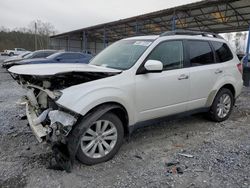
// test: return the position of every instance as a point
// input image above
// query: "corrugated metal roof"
(219, 16)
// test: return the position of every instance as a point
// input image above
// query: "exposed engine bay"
(61, 80)
(49, 121)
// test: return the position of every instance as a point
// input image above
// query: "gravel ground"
(219, 153)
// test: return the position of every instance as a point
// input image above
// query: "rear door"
(204, 72)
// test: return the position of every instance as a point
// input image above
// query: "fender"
(83, 103)
(226, 80)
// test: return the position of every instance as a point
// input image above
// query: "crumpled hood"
(58, 68)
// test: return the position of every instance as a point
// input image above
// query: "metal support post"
(173, 23)
(68, 46)
(104, 38)
(248, 45)
(85, 41)
(136, 28)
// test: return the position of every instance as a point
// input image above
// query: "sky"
(67, 15)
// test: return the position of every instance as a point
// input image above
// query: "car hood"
(13, 59)
(30, 61)
(54, 69)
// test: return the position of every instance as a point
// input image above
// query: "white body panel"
(161, 94)
(146, 96)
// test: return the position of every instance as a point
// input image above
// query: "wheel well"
(230, 87)
(118, 110)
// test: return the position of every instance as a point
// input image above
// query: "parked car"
(15, 51)
(34, 55)
(17, 58)
(245, 60)
(246, 69)
(89, 108)
(59, 57)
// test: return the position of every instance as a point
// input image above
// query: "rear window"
(222, 52)
(200, 53)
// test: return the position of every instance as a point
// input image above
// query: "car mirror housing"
(153, 66)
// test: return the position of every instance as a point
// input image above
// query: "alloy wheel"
(224, 105)
(99, 139)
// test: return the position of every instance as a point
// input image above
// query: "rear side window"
(222, 52)
(200, 53)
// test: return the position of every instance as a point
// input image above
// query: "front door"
(167, 92)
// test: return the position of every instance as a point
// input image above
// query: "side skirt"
(146, 123)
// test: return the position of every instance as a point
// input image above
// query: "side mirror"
(153, 66)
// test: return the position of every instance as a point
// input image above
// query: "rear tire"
(11, 54)
(99, 140)
(222, 105)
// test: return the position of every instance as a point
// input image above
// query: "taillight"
(240, 67)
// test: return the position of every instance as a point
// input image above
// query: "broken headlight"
(57, 94)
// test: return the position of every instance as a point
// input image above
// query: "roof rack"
(190, 32)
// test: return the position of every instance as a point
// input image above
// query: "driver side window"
(170, 53)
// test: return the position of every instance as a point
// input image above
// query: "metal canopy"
(218, 16)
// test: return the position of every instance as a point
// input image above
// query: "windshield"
(54, 55)
(121, 55)
(25, 55)
(29, 55)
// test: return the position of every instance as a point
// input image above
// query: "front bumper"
(39, 130)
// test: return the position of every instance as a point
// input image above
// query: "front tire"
(222, 105)
(101, 139)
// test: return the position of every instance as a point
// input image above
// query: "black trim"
(146, 123)
(211, 46)
(186, 52)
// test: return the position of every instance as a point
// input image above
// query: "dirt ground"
(219, 153)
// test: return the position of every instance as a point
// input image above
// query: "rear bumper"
(238, 88)
(39, 130)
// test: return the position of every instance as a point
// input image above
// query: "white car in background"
(15, 51)
(90, 108)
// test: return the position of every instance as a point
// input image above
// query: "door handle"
(183, 77)
(218, 71)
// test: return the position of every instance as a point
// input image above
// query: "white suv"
(89, 109)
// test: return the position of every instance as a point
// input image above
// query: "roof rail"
(190, 32)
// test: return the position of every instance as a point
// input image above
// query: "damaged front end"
(49, 121)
